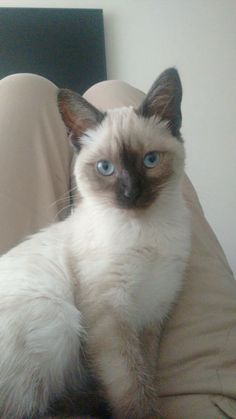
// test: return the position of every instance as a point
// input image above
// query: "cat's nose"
(131, 192)
(128, 196)
(130, 189)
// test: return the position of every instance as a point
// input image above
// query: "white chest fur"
(134, 265)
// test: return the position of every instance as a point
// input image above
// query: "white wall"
(143, 37)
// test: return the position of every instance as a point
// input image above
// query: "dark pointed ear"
(164, 100)
(77, 114)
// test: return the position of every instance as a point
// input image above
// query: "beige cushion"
(198, 348)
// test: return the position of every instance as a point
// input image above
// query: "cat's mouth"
(135, 201)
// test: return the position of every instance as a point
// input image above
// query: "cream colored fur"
(96, 281)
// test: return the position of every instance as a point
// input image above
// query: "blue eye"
(105, 167)
(151, 159)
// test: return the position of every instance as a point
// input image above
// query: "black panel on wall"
(64, 45)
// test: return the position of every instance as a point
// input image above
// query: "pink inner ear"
(76, 125)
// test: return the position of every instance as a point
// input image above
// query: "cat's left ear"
(164, 100)
(77, 114)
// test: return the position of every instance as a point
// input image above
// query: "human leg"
(35, 158)
(113, 94)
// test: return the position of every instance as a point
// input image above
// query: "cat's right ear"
(164, 100)
(77, 114)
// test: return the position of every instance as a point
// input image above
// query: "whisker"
(59, 201)
(61, 210)
(63, 198)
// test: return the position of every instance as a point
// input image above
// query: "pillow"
(198, 346)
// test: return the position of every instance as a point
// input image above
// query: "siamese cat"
(98, 285)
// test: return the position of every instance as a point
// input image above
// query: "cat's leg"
(150, 339)
(40, 342)
(128, 381)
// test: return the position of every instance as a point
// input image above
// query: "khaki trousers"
(198, 350)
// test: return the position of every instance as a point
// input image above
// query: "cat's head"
(127, 156)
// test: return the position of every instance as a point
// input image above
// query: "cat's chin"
(136, 205)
